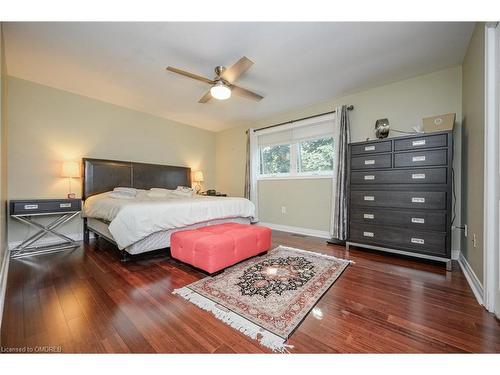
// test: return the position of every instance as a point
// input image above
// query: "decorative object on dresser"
(70, 169)
(400, 195)
(382, 128)
(25, 211)
(439, 123)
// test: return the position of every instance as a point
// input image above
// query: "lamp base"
(71, 195)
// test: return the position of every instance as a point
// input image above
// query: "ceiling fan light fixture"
(220, 91)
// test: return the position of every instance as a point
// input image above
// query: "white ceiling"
(296, 64)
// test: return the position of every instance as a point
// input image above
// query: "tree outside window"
(275, 159)
(302, 157)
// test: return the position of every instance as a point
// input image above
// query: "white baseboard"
(50, 240)
(297, 230)
(474, 282)
(4, 270)
(455, 254)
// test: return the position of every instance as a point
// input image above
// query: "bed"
(146, 223)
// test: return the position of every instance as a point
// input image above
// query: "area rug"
(267, 297)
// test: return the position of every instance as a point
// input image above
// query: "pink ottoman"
(215, 247)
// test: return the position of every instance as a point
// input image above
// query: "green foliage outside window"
(275, 159)
(316, 155)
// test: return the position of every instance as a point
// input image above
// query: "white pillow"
(160, 189)
(125, 190)
(158, 193)
(121, 195)
(183, 193)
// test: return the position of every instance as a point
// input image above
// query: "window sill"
(297, 177)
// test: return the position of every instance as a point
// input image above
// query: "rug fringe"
(265, 338)
(316, 254)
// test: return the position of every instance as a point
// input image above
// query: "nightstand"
(26, 210)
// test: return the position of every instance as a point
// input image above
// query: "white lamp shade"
(198, 176)
(220, 91)
(70, 169)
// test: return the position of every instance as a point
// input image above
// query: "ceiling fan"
(223, 83)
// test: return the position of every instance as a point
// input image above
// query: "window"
(315, 155)
(297, 151)
(275, 159)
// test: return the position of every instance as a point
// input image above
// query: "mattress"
(158, 240)
(132, 220)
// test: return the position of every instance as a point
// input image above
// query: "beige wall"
(473, 149)
(404, 103)
(47, 126)
(3, 173)
(304, 201)
(3, 151)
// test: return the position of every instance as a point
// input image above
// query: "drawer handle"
(418, 176)
(30, 206)
(64, 205)
(420, 142)
(369, 177)
(417, 220)
(369, 162)
(417, 200)
(418, 158)
(368, 234)
(368, 216)
(369, 198)
(420, 241)
(369, 148)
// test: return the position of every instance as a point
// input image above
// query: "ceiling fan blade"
(245, 93)
(205, 98)
(237, 69)
(190, 75)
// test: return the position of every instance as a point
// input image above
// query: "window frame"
(294, 161)
(275, 174)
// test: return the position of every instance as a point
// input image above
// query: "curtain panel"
(339, 194)
(251, 170)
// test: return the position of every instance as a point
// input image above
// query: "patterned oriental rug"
(267, 297)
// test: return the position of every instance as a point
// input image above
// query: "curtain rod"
(349, 108)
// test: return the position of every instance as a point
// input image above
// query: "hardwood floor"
(87, 301)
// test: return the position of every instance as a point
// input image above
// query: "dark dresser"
(400, 195)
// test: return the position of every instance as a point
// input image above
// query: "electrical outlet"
(474, 240)
(283, 210)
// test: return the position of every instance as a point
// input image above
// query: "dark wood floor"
(87, 301)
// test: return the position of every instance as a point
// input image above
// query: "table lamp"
(198, 177)
(70, 169)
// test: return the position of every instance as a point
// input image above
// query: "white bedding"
(131, 220)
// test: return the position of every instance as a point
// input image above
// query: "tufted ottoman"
(215, 247)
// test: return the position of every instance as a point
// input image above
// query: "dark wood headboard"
(100, 175)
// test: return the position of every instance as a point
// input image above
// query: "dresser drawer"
(25, 207)
(418, 220)
(421, 158)
(371, 161)
(399, 238)
(400, 176)
(370, 148)
(425, 141)
(434, 200)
